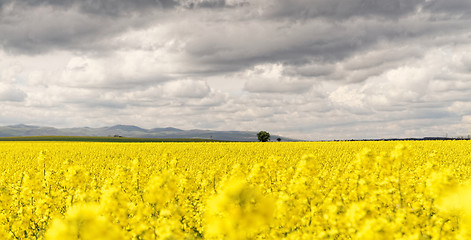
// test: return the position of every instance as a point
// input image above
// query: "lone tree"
(263, 136)
(278, 139)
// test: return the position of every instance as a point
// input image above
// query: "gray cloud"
(310, 69)
(120, 8)
(459, 8)
(11, 93)
(212, 3)
(186, 89)
(242, 44)
(44, 29)
(346, 10)
(337, 9)
(245, 45)
(272, 79)
(100, 7)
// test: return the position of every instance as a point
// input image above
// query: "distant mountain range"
(22, 130)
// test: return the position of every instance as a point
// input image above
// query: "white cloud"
(186, 89)
(83, 72)
(124, 69)
(270, 78)
(10, 74)
(10, 93)
(460, 107)
(395, 88)
(466, 119)
(349, 97)
(430, 79)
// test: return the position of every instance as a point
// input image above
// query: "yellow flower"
(83, 222)
(238, 211)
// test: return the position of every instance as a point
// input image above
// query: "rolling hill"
(22, 130)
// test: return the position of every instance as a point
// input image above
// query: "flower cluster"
(336, 190)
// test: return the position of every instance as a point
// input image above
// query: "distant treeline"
(409, 139)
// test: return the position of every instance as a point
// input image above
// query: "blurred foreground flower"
(457, 204)
(238, 212)
(83, 222)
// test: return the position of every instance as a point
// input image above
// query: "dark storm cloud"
(459, 8)
(107, 7)
(383, 9)
(35, 27)
(71, 32)
(39, 27)
(275, 8)
(211, 4)
(329, 31)
(339, 9)
(333, 30)
(121, 7)
(318, 42)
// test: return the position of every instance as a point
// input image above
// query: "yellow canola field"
(321, 190)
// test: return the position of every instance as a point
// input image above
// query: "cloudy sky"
(308, 69)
